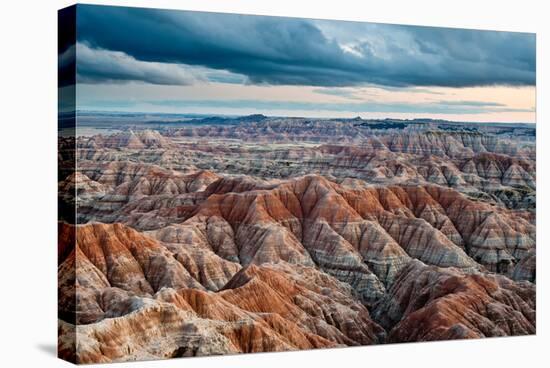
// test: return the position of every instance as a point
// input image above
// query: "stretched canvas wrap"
(237, 183)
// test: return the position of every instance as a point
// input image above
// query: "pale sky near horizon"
(146, 60)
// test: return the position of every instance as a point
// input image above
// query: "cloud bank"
(103, 66)
(292, 51)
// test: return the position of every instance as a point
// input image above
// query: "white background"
(28, 113)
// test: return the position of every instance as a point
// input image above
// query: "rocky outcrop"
(115, 256)
(129, 140)
(137, 298)
(476, 161)
(81, 186)
(145, 179)
(138, 188)
(358, 230)
(276, 234)
(428, 303)
(361, 230)
(526, 269)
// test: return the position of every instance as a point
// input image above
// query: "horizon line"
(296, 116)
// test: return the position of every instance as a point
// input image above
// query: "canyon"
(255, 234)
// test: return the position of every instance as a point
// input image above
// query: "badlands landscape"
(223, 235)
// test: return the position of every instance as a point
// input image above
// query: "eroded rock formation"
(285, 234)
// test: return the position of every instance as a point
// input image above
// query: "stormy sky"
(133, 59)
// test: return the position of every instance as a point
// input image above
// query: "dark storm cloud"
(66, 41)
(292, 51)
